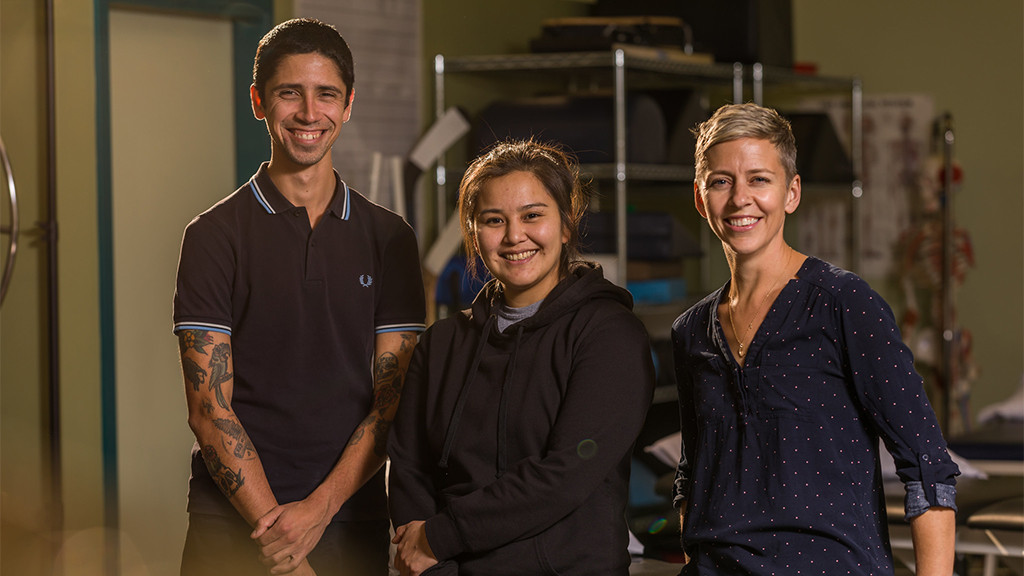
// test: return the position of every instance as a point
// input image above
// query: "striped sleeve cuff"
(400, 328)
(179, 326)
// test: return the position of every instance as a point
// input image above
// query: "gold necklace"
(732, 310)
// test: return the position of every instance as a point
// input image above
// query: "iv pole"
(948, 365)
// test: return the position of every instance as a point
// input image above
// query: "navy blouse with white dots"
(780, 471)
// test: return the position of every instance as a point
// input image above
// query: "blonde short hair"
(735, 121)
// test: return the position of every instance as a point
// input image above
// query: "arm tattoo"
(380, 427)
(227, 479)
(237, 440)
(388, 379)
(358, 434)
(196, 340)
(207, 406)
(408, 342)
(387, 390)
(380, 436)
(219, 371)
(194, 374)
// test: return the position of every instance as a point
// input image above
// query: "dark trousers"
(221, 546)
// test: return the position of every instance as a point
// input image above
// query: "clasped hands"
(288, 533)
(412, 553)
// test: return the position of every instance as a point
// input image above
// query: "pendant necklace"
(732, 310)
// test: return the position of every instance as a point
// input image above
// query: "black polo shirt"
(302, 307)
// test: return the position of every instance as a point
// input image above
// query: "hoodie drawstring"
(460, 403)
(503, 407)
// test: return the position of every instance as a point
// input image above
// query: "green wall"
(969, 56)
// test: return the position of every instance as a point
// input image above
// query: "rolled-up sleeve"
(892, 393)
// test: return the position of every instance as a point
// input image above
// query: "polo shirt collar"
(271, 199)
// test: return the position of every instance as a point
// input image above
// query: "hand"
(412, 554)
(288, 533)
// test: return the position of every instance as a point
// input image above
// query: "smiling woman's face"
(519, 235)
(745, 195)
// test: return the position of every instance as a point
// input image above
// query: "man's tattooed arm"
(235, 438)
(227, 451)
(219, 373)
(388, 378)
(228, 480)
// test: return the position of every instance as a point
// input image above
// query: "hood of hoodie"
(585, 282)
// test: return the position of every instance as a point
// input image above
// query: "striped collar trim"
(341, 204)
(260, 197)
(346, 197)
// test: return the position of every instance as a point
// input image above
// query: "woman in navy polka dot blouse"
(788, 377)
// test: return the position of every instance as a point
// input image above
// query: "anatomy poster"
(896, 142)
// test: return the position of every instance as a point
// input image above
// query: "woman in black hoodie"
(511, 448)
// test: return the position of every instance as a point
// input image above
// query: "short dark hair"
(556, 169)
(302, 36)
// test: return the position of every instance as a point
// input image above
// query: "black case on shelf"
(746, 31)
(583, 124)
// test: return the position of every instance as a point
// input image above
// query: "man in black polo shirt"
(296, 308)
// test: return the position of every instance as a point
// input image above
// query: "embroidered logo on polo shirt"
(365, 280)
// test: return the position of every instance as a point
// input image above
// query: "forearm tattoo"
(228, 480)
(388, 379)
(219, 372)
(194, 374)
(236, 440)
(387, 376)
(381, 427)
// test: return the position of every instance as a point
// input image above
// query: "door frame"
(250, 20)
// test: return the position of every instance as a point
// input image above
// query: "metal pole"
(440, 176)
(620, 167)
(948, 328)
(758, 83)
(737, 83)
(857, 159)
(56, 468)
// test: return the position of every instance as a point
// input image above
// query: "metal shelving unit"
(627, 68)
